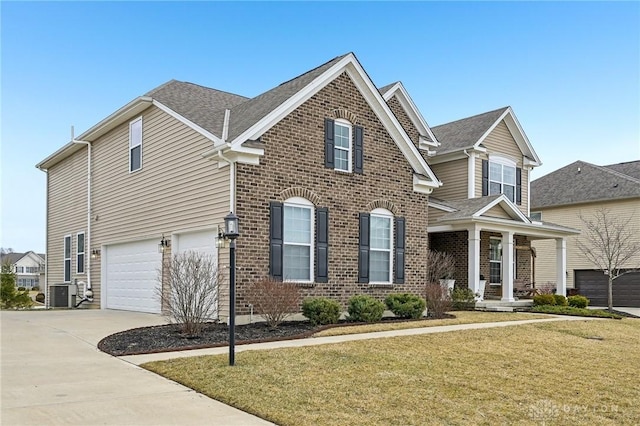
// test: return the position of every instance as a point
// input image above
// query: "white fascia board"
(507, 205)
(216, 140)
(442, 207)
(226, 153)
(423, 186)
(424, 143)
(504, 225)
(412, 111)
(458, 154)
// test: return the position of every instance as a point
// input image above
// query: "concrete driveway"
(53, 374)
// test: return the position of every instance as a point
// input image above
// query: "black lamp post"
(231, 232)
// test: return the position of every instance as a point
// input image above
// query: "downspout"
(87, 245)
(46, 254)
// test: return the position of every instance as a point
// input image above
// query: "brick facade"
(293, 165)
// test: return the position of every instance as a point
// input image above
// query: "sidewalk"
(314, 341)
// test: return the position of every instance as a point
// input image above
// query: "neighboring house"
(329, 176)
(580, 189)
(481, 213)
(28, 267)
(330, 190)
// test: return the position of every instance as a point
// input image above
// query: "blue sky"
(570, 70)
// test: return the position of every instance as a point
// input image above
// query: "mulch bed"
(168, 338)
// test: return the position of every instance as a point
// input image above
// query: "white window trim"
(499, 240)
(503, 161)
(344, 123)
(64, 258)
(83, 253)
(384, 213)
(131, 146)
(304, 203)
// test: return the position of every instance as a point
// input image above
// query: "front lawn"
(567, 372)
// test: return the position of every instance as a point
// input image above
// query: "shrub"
(35, 288)
(438, 300)
(560, 300)
(578, 301)
(405, 305)
(40, 297)
(11, 298)
(363, 308)
(543, 299)
(462, 299)
(321, 310)
(21, 288)
(570, 310)
(274, 300)
(191, 293)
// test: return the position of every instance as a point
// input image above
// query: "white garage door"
(132, 276)
(202, 242)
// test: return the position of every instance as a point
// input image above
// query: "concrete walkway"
(53, 374)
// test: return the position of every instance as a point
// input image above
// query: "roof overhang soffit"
(532, 230)
(352, 67)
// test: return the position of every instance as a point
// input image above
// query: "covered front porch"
(491, 242)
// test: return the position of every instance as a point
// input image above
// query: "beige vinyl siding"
(434, 214)
(453, 175)
(570, 216)
(67, 207)
(500, 142)
(497, 211)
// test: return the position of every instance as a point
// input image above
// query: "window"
(342, 147)
(19, 269)
(501, 176)
(32, 269)
(67, 258)
(495, 261)
(80, 253)
(502, 180)
(298, 240)
(135, 145)
(381, 256)
(537, 216)
(380, 238)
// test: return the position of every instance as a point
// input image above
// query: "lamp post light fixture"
(231, 232)
(164, 243)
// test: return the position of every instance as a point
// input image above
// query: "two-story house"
(28, 267)
(330, 189)
(481, 213)
(329, 176)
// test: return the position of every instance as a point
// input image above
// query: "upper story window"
(67, 258)
(19, 269)
(80, 252)
(501, 176)
(32, 269)
(135, 145)
(343, 146)
(381, 257)
(537, 216)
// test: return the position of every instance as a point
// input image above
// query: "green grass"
(560, 373)
(570, 310)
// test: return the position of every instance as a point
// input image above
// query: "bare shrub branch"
(191, 290)
(439, 265)
(274, 300)
(438, 299)
(609, 243)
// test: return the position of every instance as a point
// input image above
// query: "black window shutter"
(485, 178)
(322, 245)
(363, 253)
(276, 221)
(398, 276)
(358, 151)
(518, 186)
(329, 143)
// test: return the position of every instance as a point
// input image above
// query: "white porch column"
(561, 266)
(474, 260)
(507, 267)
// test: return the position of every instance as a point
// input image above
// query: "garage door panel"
(594, 285)
(131, 276)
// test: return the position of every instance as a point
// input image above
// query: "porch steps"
(496, 309)
(500, 306)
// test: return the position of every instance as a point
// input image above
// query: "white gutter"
(46, 245)
(87, 243)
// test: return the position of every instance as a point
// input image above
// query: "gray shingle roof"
(248, 113)
(202, 105)
(467, 207)
(581, 182)
(466, 132)
(386, 88)
(11, 257)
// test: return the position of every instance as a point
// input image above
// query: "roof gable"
(582, 182)
(470, 208)
(398, 90)
(469, 133)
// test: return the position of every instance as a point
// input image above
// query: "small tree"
(10, 297)
(609, 243)
(274, 300)
(191, 290)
